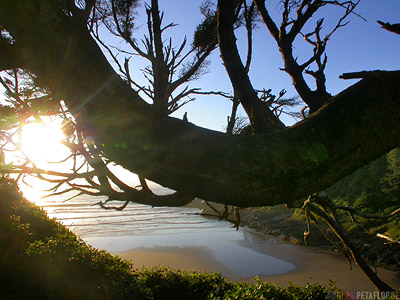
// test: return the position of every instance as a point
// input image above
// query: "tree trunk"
(160, 68)
(261, 117)
(355, 127)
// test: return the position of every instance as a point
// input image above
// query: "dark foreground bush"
(41, 259)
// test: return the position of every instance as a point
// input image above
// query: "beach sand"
(312, 265)
(315, 265)
(198, 259)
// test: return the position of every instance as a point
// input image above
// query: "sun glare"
(42, 143)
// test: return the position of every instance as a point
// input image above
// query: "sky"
(361, 45)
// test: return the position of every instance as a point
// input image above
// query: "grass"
(41, 259)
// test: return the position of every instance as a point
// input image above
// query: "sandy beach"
(198, 259)
(312, 267)
(309, 265)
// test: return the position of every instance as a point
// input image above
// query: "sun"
(42, 143)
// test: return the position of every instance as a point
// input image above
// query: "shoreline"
(310, 265)
(313, 271)
(316, 265)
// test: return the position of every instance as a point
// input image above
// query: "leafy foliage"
(7, 117)
(118, 15)
(391, 181)
(261, 290)
(206, 33)
(373, 189)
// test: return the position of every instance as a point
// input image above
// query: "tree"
(170, 67)
(391, 181)
(275, 165)
(292, 25)
(254, 170)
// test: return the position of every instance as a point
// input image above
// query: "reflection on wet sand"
(241, 256)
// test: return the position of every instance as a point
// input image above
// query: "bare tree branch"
(291, 27)
(351, 248)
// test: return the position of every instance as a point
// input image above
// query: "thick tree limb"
(261, 118)
(9, 56)
(395, 28)
(355, 127)
(363, 74)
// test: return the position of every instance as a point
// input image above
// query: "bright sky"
(361, 45)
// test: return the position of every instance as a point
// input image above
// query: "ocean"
(87, 219)
(146, 227)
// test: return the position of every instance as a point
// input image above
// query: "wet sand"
(198, 259)
(315, 265)
(312, 265)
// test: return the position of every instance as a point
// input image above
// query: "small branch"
(118, 208)
(353, 211)
(308, 231)
(192, 70)
(219, 93)
(213, 209)
(248, 16)
(387, 238)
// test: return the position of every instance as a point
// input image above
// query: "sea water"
(142, 226)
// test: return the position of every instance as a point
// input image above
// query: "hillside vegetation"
(373, 189)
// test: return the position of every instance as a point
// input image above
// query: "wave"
(80, 216)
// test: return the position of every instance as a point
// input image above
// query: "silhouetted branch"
(390, 27)
(285, 34)
(354, 211)
(365, 74)
(350, 246)
(118, 208)
(224, 214)
(312, 206)
(219, 93)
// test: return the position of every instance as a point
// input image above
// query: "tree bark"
(261, 118)
(315, 99)
(160, 68)
(356, 126)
